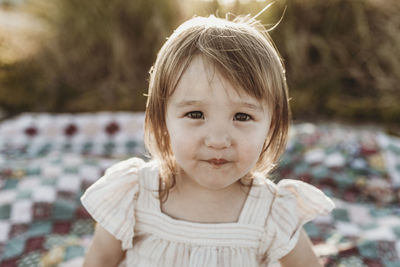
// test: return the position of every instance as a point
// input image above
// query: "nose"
(218, 137)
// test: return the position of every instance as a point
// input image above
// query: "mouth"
(217, 162)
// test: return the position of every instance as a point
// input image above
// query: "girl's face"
(216, 133)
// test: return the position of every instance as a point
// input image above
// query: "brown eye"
(195, 115)
(242, 117)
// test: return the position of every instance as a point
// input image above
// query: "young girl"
(216, 122)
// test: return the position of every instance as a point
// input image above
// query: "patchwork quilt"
(47, 162)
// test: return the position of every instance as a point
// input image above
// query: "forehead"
(201, 80)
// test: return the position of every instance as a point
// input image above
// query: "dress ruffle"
(111, 200)
(295, 204)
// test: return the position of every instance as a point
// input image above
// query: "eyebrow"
(248, 105)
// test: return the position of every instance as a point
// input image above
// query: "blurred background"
(342, 56)
(62, 62)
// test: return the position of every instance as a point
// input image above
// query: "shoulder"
(307, 200)
(131, 165)
(303, 196)
(124, 174)
(119, 176)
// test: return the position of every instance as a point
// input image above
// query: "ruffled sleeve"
(111, 200)
(295, 204)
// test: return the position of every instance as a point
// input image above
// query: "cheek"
(252, 146)
(250, 151)
(182, 139)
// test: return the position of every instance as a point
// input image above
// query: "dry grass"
(346, 62)
(95, 56)
(342, 57)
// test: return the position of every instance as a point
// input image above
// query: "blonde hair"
(243, 52)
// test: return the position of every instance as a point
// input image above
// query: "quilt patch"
(48, 161)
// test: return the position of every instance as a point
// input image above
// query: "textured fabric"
(125, 202)
(357, 166)
(296, 203)
(111, 200)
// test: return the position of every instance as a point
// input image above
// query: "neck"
(187, 187)
(191, 202)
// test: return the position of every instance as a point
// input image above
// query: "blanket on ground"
(47, 162)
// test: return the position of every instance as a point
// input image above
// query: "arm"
(301, 255)
(105, 250)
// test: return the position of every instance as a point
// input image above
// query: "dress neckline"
(251, 197)
(248, 228)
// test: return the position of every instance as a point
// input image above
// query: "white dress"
(125, 202)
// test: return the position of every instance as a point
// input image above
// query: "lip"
(217, 162)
